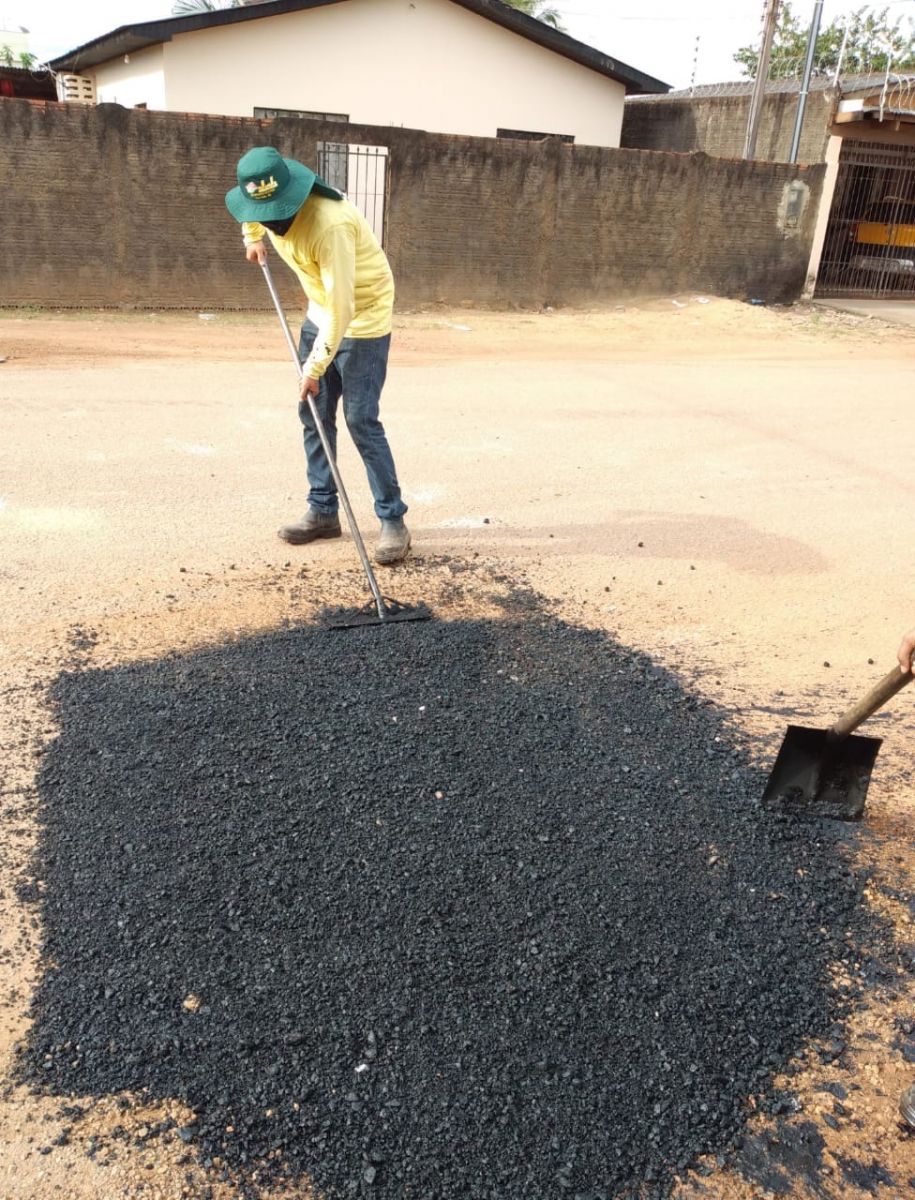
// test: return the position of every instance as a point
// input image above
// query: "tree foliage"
(874, 42)
(541, 10)
(184, 8)
(22, 59)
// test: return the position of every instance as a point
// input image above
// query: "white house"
(472, 67)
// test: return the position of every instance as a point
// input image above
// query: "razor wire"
(896, 91)
(898, 94)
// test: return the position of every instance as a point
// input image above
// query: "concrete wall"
(109, 206)
(426, 64)
(717, 125)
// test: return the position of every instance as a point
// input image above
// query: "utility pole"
(770, 20)
(808, 71)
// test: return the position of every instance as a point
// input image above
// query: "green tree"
(540, 10)
(184, 8)
(23, 59)
(873, 42)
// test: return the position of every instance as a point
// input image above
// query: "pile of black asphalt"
(482, 908)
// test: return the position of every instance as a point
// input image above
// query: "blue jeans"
(357, 373)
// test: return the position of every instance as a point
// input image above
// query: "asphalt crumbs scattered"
(483, 908)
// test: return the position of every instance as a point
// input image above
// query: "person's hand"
(905, 652)
(310, 387)
(256, 252)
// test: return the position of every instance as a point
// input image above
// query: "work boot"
(312, 526)
(393, 543)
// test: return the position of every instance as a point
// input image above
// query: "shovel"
(826, 773)
(381, 610)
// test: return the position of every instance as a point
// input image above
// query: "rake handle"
(891, 683)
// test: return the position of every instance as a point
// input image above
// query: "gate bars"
(870, 240)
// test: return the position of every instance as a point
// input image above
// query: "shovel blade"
(820, 775)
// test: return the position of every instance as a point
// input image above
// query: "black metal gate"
(360, 172)
(870, 241)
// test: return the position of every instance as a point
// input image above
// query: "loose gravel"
(469, 909)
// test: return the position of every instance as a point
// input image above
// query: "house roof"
(128, 39)
(27, 83)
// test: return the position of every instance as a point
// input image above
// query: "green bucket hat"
(273, 188)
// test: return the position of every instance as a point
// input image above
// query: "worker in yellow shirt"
(346, 335)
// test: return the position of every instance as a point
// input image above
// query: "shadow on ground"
(468, 909)
(690, 537)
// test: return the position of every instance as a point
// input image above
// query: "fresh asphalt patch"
(482, 908)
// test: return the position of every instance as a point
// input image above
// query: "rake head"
(394, 611)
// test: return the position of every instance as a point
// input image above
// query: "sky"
(658, 37)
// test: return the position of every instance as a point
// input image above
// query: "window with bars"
(527, 135)
(267, 114)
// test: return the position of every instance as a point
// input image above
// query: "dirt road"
(724, 487)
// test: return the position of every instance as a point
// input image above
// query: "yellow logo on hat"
(263, 190)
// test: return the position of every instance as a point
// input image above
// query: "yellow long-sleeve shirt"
(343, 270)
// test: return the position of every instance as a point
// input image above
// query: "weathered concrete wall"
(108, 206)
(509, 222)
(718, 125)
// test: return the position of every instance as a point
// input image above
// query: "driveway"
(899, 312)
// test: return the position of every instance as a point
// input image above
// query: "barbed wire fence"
(898, 94)
(896, 88)
(788, 77)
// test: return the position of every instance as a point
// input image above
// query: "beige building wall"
(137, 78)
(424, 64)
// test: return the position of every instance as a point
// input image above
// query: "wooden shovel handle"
(888, 686)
